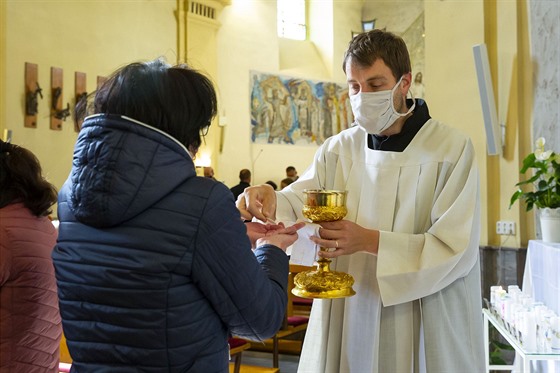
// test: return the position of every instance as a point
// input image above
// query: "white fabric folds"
(304, 251)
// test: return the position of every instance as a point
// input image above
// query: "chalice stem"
(323, 264)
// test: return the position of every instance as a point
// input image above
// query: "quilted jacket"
(30, 328)
(153, 264)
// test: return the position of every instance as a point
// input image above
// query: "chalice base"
(323, 284)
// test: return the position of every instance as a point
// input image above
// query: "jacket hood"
(121, 167)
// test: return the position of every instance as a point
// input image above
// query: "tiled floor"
(288, 363)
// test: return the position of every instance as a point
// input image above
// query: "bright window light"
(291, 19)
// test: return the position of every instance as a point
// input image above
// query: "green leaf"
(503, 346)
(515, 197)
(528, 162)
(497, 360)
(543, 184)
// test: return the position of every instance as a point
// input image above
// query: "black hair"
(244, 174)
(175, 99)
(285, 182)
(272, 184)
(21, 180)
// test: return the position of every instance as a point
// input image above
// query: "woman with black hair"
(154, 265)
(30, 328)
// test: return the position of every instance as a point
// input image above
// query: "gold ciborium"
(320, 206)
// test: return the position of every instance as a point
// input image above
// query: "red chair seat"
(235, 342)
(297, 320)
(236, 347)
(298, 301)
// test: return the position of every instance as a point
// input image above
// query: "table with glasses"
(541, 280)
(526, 356)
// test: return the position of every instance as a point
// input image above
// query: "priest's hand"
(344, 237)
(257, 201)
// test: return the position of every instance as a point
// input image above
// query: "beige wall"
(512, 101)
(97, 37)
(80, 35)
(201, 53)
(247, 41)
(457, 100)
(3, 72)
(453, 94)
(489, 22)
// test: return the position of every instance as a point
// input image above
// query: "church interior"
(53, 51)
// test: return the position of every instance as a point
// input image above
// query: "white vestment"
(418, 303)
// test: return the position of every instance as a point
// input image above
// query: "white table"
(541, 278)
(526, 356)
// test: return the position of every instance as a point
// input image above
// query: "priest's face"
(374, 78)
(371, 90)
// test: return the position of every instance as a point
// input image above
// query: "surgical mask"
(374, 112)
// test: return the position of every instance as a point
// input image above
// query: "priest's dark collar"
(399, 142)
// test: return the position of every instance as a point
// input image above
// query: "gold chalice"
(320, 206)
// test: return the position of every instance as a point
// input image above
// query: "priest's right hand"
(257, 201)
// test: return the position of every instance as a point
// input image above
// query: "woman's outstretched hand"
(273, 234)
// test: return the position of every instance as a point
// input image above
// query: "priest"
(411, 235)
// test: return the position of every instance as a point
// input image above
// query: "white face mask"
(374, 112)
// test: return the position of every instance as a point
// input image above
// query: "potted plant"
(545, 194)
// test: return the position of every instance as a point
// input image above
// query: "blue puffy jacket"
(153, 264)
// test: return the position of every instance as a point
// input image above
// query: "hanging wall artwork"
(287, 110)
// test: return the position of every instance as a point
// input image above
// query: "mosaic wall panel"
(295, 111)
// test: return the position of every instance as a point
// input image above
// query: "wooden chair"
(293, 324)
(64, 353)
(236, 347)
(302, 306)
(65, 358)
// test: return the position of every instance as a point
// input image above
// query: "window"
(291, 19)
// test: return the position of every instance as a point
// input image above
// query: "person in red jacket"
(30, 326)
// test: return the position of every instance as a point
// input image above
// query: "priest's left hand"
(344, 237)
